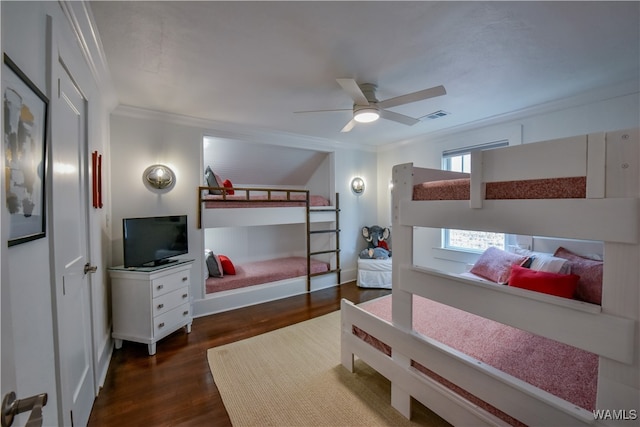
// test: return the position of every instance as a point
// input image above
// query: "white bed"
(609, 212)
(374, 273)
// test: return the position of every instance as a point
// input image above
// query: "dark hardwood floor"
(175, 387)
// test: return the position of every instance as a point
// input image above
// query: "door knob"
(88, 268)
(12, 407)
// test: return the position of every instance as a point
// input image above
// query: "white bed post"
(619, 383)
(476, 188)
(402, 307)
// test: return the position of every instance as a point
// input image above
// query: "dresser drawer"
(169, 283)
(167, 322)
(166, 302)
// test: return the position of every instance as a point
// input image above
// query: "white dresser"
(149, 303)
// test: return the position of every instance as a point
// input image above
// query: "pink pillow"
(590, 272)
(495, 264)
(561, 285)
(227, 265)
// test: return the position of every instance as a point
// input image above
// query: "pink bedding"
(562, 370)
(458, 189)
(255, 273)
(277, 200)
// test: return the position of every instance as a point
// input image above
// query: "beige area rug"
(293, 377)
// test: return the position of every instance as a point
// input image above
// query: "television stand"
(160, 263)
(150, 303)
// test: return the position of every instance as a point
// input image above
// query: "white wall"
(614, 113)
(27, 277)
(247, 244)
(140, 138)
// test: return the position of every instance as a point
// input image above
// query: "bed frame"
(609, 213)
(258, 213)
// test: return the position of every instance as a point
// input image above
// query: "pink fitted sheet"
(550, 188)
(259, 272)
(564, 371)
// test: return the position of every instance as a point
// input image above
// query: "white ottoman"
(374, 273)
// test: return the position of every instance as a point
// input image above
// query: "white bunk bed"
(267, 206)
(609, 212)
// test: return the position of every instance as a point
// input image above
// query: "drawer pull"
(160, 287)
(161, 325)
(185, 295)
(184, 279)
(184, 313)
(160, 306)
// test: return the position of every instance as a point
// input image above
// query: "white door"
(7, 365)
(70, 237)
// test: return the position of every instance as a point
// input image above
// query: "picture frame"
(25, 110)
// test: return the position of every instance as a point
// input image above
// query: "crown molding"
(81, 21)
(601, 94)
(218, 129)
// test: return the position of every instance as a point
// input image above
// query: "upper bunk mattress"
(255, 273)
(262, 201)
(549, 188)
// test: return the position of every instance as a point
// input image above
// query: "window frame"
(465, 166)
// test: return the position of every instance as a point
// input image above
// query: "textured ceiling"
(255, 63)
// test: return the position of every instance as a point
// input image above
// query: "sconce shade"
(357, 186)
(159, 177)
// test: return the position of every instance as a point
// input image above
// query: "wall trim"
(219, 129)
(86, 33)
(627, 88)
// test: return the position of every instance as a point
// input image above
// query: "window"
(467, 240)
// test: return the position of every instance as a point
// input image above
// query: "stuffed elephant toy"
(377, 247)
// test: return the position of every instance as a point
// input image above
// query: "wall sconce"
(159, 177)
(357, 186)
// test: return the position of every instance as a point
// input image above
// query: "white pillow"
(543, 261)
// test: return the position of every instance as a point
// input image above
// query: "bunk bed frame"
(609, 213)
(275, 206)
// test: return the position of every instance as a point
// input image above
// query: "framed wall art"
(25, 135)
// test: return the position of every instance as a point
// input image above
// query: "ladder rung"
(323, 231)
(331, 251)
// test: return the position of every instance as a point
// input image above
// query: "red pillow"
(227, 265)
(590, 272)
(560, 285)
(227, 184)
(495, 264)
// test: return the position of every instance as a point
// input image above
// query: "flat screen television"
(151, 241)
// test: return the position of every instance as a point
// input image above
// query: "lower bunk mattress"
(259, 272)
(564, 371)
(374, 273)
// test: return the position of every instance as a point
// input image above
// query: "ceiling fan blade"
(413, 97)
(354, 91)
(400, 118)
(323, 111)
(349, 126)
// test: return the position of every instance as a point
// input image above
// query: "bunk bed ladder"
(336, 250)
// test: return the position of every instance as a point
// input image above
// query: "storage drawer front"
(166, 302)
(167, 322)
(169, 283)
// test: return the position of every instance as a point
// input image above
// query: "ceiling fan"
(367, 108)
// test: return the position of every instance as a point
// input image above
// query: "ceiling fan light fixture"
(366, 114)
